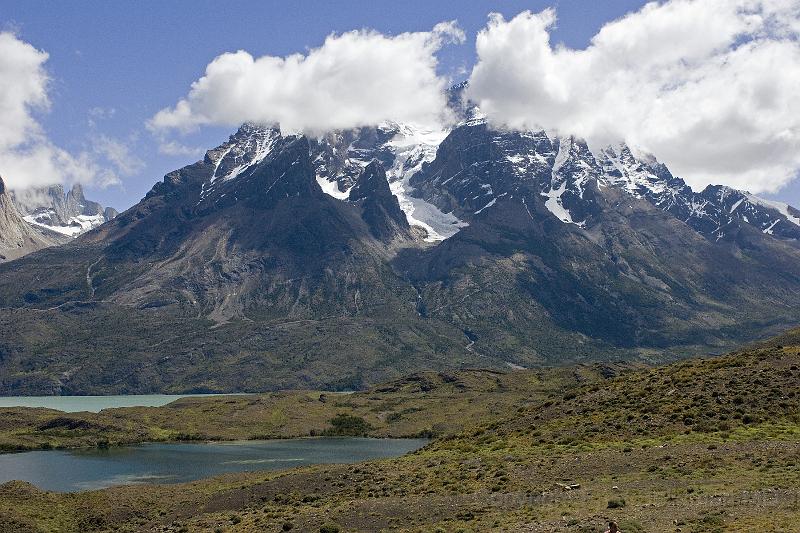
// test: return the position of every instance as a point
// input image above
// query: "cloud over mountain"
(354, 79)
(709, 86)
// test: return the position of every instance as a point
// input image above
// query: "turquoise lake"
(74, 404)
(88, 469)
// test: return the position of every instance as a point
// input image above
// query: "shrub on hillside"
(343, 425)
(617, 503)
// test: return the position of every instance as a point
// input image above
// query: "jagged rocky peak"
(371, 182)
(442, 179)
(274, 167)
(291, 171)
(31, 199)
(570, 195)
(380, 208)
(772, 218)
(245, 148)
(641, 174)
(574, 164)
(339, 156)
(338, 159)
(717, 212)
(402, 149)
(476, 166)
(69, 214)
(2, 186)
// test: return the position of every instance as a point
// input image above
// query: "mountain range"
(289, 261)
(35, 218)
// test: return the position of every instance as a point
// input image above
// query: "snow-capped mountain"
(340, 157)
(716, 212)
(283, 261)
(69, 214)
(17, 237)
(476, 166)
(401, 149)
(562, 170)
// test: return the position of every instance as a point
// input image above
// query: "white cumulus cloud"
(27, 157)
(354, 79)
(708, 86)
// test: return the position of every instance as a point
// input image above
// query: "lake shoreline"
(199, 441)
(94, 403)
(423, 405)
(174, 462)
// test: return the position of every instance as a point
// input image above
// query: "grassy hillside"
(428, 404)
(706, 445)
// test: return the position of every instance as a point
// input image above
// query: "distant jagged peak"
(17, 236)
(639, 173)
(69, 214)
(560, 169)
(715, 212)
(572, 149)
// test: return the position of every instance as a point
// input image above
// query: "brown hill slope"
(705, 445)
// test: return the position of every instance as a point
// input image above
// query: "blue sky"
(137, 58)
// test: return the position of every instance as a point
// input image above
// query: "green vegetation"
(344, 425)
(423, 404)
(617, 503)
(700, 446)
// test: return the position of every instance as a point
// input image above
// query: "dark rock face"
(256, 278)
(718, 212)
(476, 166)
(381, 210)
(339, 157)
(371, 183)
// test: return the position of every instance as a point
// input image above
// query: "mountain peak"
(2, 186)
(77, 192)
(50, 209)
(250, 145)
(381, 209)
(269, 167)
(371, 182)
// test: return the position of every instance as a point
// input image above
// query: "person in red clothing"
(613, 528)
